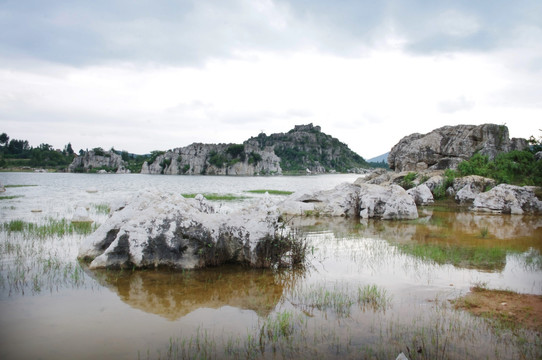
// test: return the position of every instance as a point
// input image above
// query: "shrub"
(515, 167)
(217, 159)
(408, 181)
(236, 150)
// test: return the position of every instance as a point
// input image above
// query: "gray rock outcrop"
(466, 188)
(351, 200)
(386, 202)
(101, 160)
(213, 159)
(508, 199)
(343, 200)
(159, 229)
(447, 146)
(421, 194)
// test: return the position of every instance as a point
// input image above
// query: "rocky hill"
(446, 147)
(307, 147)
(303, 148)
(98, 160)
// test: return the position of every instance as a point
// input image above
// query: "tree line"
(19, 153)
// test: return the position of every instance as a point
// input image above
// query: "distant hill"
(307, 147)
(303, 149)
(379, 158)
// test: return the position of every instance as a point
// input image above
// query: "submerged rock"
(508, 199)
(81, 215)
(159, 229)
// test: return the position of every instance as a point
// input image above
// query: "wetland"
(370, 288)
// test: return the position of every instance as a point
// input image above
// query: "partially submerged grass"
(216, 197)
(439, 332)
(51, 228)
(373, 297)
(481, 257)
(270, 192)
(18, 186)
(102, 208)
(9, 197)
(340, 300)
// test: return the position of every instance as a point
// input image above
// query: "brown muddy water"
(371, 289)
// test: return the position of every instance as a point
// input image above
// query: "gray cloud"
(189, 32)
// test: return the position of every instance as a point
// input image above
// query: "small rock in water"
(36, 210)
(92, 190)
(81, 215)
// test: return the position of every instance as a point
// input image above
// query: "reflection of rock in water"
(461, 238)
(175, 294)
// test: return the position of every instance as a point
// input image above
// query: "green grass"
(17, 186)
(51, 228)
(216, 197)
(339, 299)
(479, 257)
(271, 192)
(373, 297)
(102, 208)
(9, 197)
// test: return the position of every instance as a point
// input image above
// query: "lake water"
(54, 308)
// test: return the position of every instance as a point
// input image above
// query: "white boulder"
(421, 194)
(343, 200)
(162, 229)
(508, 199)
(81, 215)
(386, 202)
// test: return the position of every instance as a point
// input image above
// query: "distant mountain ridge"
(379, 158)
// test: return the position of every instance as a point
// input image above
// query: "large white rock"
(343, 200)
(163, 229)
(386, 202)
(508, 199)
(421, 194)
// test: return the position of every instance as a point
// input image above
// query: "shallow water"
(53, 308)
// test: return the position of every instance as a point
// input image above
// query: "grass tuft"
(270, 192)
(216, 197)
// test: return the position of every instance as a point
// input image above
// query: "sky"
(143, 75)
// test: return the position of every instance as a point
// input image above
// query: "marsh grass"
(374, 298)
(339, 299)
(9, 197)
(216, 197)
(484, 232)
(440, 332)
(51, 228)
(270, 192)
(104, 209)
(488, 258)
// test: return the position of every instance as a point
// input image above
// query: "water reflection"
(173, 295)
(461, 238)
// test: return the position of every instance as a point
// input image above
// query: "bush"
(236, 150)
(515, 167)
(408, 181)
(217, 159)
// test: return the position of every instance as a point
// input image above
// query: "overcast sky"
(144, 75)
